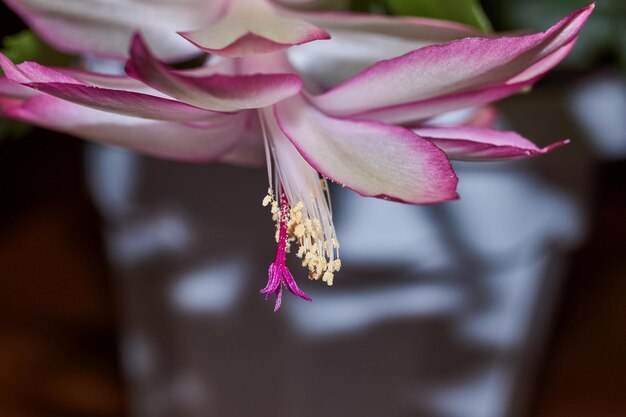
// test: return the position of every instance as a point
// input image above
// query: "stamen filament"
(301, 209)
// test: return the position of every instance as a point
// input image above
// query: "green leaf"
(4, 127)
(464, 11)
(360, 5)
(11, 129)
(26, 46)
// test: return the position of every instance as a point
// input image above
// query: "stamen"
(279, 274)
(319, 254)
(304, 209)
(268, 157)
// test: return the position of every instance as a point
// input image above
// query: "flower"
(370, 133)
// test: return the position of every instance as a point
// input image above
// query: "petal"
(12, 89)
(360, 40)
(62, 85)
(191, 142)
(485, 116)
(10, 85)
(371, 158)
(470, 116)
(250, 150)
(111, 81)
(8, 103)
(456, 67)
(104, 27)
(482, 117)
(252, 27)
(416, 112)
(482, 144)
(124, 82)
(214, 92)
(124, 102)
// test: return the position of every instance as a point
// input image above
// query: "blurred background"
(128, 288)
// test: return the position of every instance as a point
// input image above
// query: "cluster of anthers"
(319, 253)
(301, 208)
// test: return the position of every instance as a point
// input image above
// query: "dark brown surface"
(585, 368)
(57, 335)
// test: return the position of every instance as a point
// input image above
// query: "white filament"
(302, 184)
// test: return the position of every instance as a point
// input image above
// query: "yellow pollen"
(328, 278)
(299, 231)
(319, 254)
(337, 265)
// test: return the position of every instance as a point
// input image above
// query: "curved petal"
(360, 40)
(104, 27)
(62, 85)
(123, 102)
(251, 27)
(124, 82)
(482, 144)
(471, 116)
(416, 112)
(110, 81)
(456, 67)
(8, 103)
(371, 158)
(485, 116)
(250, 150)
(191, 142)
(12, 89)
(215, 92)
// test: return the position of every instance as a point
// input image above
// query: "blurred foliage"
(604, 35)
(26, 46)
(464, 11)
(602, 39)
(11, 129)
(367, 6)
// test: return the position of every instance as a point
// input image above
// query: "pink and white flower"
(369, 133)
